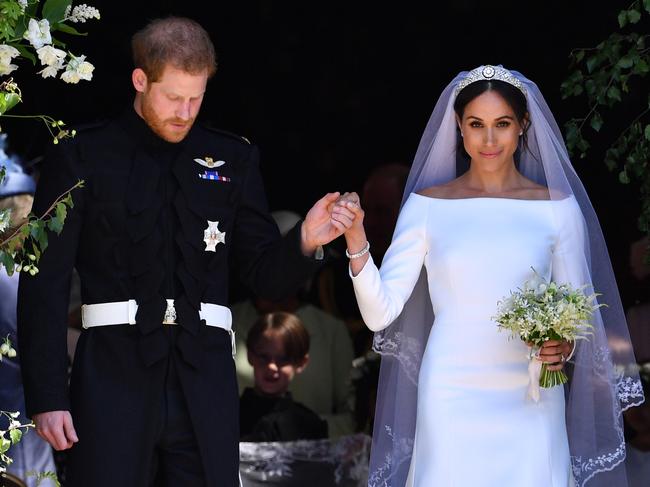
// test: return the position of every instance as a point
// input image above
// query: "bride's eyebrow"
(508, 117)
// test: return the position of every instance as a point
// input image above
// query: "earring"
(521, 133)
(461, 134)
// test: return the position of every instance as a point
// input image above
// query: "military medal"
(214, 176)
(213, 236)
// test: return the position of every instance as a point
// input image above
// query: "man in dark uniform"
(167, 207)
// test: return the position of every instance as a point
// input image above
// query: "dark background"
(329, 90)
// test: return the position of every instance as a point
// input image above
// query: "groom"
(168, 205)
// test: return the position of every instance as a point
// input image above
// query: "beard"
(164, 128)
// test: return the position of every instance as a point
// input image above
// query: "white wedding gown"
(474, 425)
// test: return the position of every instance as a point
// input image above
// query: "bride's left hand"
(554, 353)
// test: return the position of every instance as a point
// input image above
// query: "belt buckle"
(170, 313)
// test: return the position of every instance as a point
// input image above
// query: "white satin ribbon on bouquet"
(534, 373)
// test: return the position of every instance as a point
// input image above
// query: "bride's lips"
(490, 155)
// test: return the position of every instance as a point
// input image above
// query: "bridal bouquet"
(542, 311)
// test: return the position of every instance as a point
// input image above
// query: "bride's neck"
(500, 181)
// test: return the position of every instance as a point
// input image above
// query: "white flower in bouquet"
(542, 311)
(38, 33)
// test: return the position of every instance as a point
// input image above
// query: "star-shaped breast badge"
(213, 236)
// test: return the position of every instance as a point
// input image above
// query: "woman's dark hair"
(288, 328)
(511, 94)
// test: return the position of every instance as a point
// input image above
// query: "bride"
(452, 407)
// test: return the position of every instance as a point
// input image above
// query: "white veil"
(604, 379)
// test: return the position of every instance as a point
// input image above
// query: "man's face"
(170, 105)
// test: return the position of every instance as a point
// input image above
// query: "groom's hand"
(321, 225)
(56, 428)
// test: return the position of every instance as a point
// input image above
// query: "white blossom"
(81, 13)
(49, 72)
(23, 5)
(7, 53)
(38, 33)
(51, 56)
(5, 219)
(77, 69)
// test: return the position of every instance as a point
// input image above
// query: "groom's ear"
(139, 79)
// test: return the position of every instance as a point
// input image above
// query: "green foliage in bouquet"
(542, 311)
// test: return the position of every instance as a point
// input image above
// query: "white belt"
(123, 312)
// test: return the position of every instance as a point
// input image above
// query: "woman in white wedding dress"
(479, 236)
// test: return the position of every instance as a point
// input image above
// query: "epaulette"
(228, 134)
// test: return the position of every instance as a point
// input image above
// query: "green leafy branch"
(41, 476)
(607, 75)
(23, 34)
(22, 249)
(11, 436)
(10, 96)
(16, 430)
(16, 21)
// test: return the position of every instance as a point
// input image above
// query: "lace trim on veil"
(347, 455)
(630, 393)
(407, 350)
(382, 476)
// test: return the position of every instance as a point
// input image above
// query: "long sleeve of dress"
(568, 264)
(381, 294)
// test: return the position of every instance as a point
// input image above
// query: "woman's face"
(490, 131)
(273, 370)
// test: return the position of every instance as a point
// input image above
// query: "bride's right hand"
(348, 207)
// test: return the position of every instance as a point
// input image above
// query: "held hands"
(56, 428)
(332, 216)
(320, 227)
(348, 207)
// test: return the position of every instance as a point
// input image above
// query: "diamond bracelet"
(361, 253)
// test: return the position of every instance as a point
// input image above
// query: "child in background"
(278, 349)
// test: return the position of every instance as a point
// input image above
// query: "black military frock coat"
(137, 232)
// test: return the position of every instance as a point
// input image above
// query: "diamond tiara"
(489, 73)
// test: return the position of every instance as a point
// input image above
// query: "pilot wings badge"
(209, 162)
